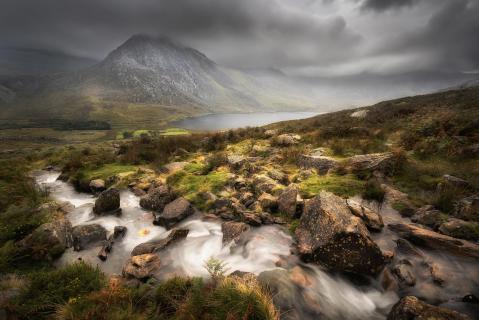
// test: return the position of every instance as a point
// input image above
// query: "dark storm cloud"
(448, 39)
(382, 5)
(348, 36)
(266, 30)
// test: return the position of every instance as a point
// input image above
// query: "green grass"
(345, 186)
(174, 132)
(105, 171)
(48, 289)
(190, 181)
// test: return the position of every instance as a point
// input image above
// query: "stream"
(339, 296)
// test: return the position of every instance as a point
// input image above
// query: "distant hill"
(21, 61)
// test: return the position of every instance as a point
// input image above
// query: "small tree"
(216, 268)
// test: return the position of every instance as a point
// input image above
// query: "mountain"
(22, 61)
(145, 73)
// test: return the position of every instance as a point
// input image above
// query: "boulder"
(263, 183)
(411, 308)
(452, 182)
(87, 235)
(173, 167)
(247, 199)
(467, 208)
(404, 272)
(97, 185)
(429, 217)
(232, 230)
(434, 240)
(322, 164)
(108, 202)
(142, 266)
(271, 133)
(156, 199)
(268, 202)
(287, 201)
(382, 162)
(175, 236)
(118, 233)
(372, 219)
(458, 228)
(250, 218)
(286, 139)
(279, 176)
(174, 212)
(236, 161)
(53, 237)
(328, 233)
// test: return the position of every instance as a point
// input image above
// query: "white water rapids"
(263, 247)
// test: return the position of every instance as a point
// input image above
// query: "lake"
(222, 121)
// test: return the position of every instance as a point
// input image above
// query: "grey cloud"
(383, 5)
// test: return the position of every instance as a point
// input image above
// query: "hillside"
(147, 80)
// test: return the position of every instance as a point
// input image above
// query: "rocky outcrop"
(174, 212)
(86, 235)
(434, 240)
(263, 183)
(53, 238)
(236, 161)
(467, 208)
(287, 201)
(97, 185)
(372, 219)
(142, 266)
(429, 217)
(156, 199)
(411, 308)
(118, 234)
(279, 176)
(108, 202)
(329, 234)
(370, 162)
(457, 228)
(232, 230)
(322, 164)
(175, 236)
(268, 202)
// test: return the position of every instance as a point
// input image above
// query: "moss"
(344, 186)
(293, 226)
(85, 175)
(174, 132)
(189, 182)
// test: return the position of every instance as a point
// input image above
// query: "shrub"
(48, 289)
(216, 268)
(19, 221)
(373, 191)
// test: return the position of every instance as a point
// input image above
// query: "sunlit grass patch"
(345, 186)
(174, 132)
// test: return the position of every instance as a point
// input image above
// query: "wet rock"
(174, 212)
(470, 298)
(283, 291)
(118, 233)
(53, 238)
(232, 230)
(436, 273)
(53, 206)
(97, 185)
(388, 281)
(87, 235)
(411, 308)
(322, 164)
(382, 162)
(467, 208)
(236, 161)
(405, 247)
(404, 272)
(287, 201)
(458, 228)
(175, 236)
(173, 167)
(251, 218)
(142, 266)
(156, 199)
(329, 234)
(372, 219)
(434, 240)
(64, 176)
(286, 140)
(429, 217)
(108, 202)
(268, 202)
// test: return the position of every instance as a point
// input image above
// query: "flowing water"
(259, 250)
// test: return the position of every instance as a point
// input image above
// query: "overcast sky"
(309, 37)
